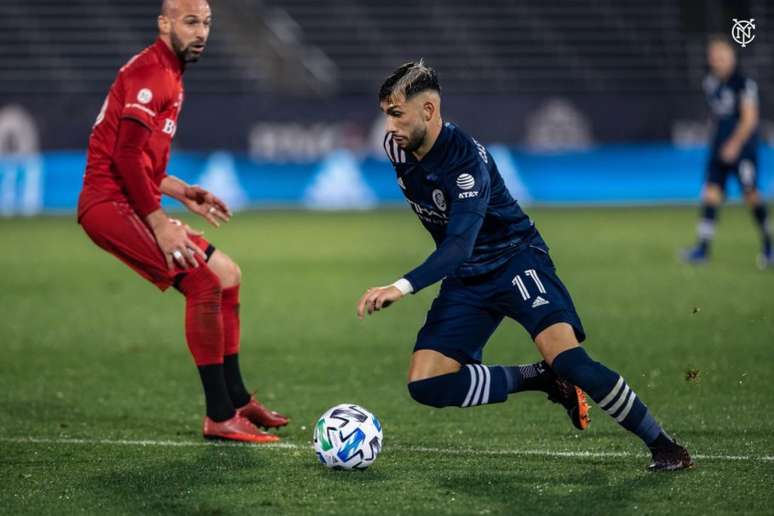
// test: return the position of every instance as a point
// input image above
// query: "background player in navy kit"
(733, 100)
(495, 264)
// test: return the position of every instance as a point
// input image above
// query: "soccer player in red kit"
(120, 210)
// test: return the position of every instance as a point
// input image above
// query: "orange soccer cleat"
(237, 428)
(261, 416)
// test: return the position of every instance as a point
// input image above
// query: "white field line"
(413, 449)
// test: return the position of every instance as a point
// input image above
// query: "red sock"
(230, 313)
(203, 321)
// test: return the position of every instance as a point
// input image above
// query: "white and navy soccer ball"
(347, 436)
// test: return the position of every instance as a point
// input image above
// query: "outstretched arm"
(173, 239)
(748, 121)
(457, 247)
(197, 200)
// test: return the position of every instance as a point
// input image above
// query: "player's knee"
(426, 392)
(752, 198)
(230, 274)
(712, 195)
(200, 283)
(235, 274)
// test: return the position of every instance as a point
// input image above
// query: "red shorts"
(117, 229)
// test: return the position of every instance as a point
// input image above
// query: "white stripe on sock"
(621, 400)
(706, 229)
(626, 409)
(612, 393)
(480, 388)
(487, 382)
(473, 381)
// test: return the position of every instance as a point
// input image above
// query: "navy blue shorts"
(468, 310)
(745, 170)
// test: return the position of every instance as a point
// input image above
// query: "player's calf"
(613, 395)
(476, 384)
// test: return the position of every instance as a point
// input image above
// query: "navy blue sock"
(472, 385)
(706, 229)
(528, 377)
(609, 390)
(761, 216)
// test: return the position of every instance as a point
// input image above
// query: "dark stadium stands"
(320, 46)
(506, 46)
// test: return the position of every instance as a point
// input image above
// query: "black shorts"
(468, 310)
(745, 170)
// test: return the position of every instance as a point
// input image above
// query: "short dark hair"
(408, 80)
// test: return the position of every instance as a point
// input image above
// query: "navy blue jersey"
(725, 100)
(461, 199)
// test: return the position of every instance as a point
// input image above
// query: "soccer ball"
(347, 436)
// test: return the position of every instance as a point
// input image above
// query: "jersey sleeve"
(749, 92)
(146, 94)
(468, 186)
(468, 191)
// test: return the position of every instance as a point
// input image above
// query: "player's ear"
(428, 110)
(165, 24)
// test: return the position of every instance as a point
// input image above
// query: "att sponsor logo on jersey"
(468, 195)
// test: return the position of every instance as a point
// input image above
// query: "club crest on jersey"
(439, 199)
(144, 96)
(465, 181)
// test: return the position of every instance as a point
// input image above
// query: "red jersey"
(148, 89)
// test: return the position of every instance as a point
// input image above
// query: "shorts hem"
(561, 316)
(460, 356)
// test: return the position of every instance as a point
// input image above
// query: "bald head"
(184, 25)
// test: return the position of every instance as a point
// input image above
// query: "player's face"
(721, 59)
(189, 29)
(406, 122)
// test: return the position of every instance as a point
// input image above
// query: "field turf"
(100, 405)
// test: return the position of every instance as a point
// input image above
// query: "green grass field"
(100, 405)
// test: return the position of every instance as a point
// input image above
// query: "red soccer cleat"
(236, 429)
(261, 416)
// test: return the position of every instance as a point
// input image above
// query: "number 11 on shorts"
(518, 282)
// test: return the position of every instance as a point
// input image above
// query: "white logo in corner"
(742, 31)
(144, 96)
(439, 199)
(465, 181)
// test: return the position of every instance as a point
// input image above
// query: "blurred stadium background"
(579, 101)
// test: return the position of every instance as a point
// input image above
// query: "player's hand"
(377, 298)
(729, 152)
(174, 241)
(203, 203)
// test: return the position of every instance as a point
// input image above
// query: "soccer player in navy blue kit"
(733, 100)
(494, 264)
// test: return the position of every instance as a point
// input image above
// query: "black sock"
(236, 387)
(219, 406)
(761, 215)
(529, 377)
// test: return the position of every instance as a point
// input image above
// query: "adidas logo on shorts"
(539, 301)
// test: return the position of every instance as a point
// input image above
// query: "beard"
(185, 53)
(415, 139)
